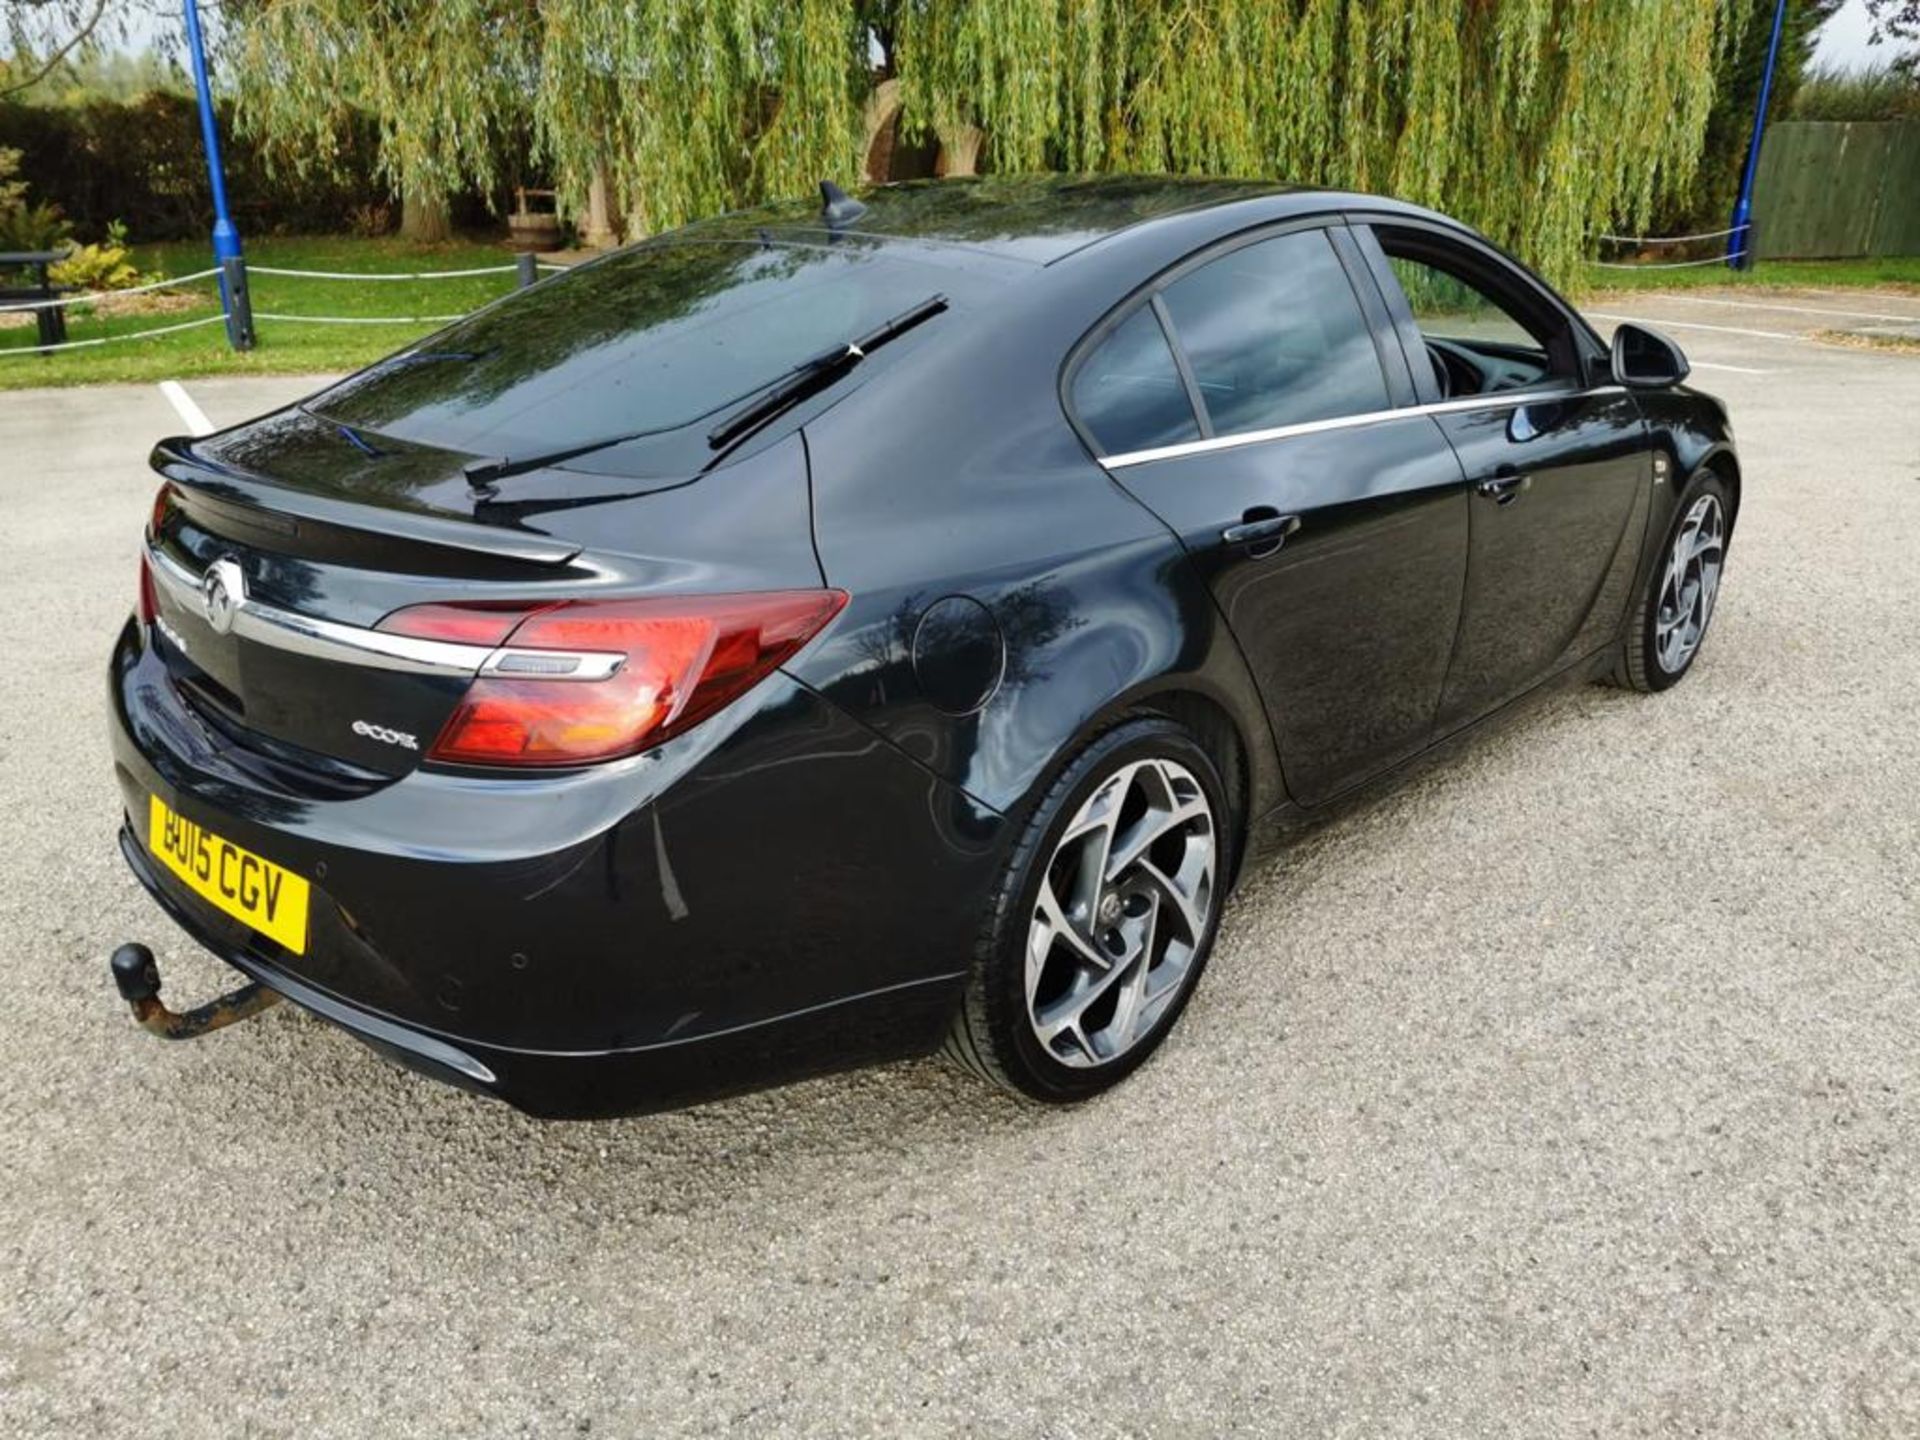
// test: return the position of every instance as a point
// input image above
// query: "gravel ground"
(1567, 1090)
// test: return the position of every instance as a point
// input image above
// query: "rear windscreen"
(646, 340)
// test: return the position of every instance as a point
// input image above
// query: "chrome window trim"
(374, 649)
(1349, 422)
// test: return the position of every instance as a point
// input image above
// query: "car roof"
(1034, 218)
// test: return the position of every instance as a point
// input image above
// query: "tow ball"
(137, 976)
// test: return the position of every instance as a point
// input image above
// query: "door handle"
(1505, 489)
(1263, 530)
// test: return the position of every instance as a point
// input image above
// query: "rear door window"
(1275, 336)
(1128, 392)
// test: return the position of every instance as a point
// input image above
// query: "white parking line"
(1736, 369)
(1695, 325)
(1796, 309)
(191, 415)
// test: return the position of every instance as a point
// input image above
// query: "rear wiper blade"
(805, 378)
(483, 472)
(811, 376)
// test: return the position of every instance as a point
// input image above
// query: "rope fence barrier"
(1737, 259)
(93, 295)
(1665, 239)
(357, 319)
(1669, 264)
(394, 274)
(234, 298)
(9, 352)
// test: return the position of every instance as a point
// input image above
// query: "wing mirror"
(1645, 359)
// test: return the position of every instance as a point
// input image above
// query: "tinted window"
(1128, 391)
(1486, 326)
(1447, 307)
(1454, 310)
(646, 340)
(1275, 336)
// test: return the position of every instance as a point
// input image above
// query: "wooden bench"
(34, 285)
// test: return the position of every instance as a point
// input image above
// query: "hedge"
(139, 161)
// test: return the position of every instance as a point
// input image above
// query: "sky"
(1843, 40)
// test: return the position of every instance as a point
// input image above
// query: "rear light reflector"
(162, 502)
(673, 660)
(149, 603)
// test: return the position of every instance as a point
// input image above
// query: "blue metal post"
(1739, 243)
(226, 239)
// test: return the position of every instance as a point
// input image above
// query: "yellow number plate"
(254, 891)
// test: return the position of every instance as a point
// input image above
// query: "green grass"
(283, 347)
(1896, 270)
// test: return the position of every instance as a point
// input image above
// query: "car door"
(1559, 466)
(1253, 399)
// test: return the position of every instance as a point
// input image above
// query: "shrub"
(1883, 92)
(105, 266)
(26, 225)
(371, 220)
(35, 227)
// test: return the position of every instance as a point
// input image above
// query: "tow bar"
(137, 976)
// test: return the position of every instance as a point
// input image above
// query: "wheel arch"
(1723, 463)
(1232, 741)
(1222, 737)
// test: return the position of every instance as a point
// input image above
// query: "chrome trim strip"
(1349, 422)
(352, 645)
(375, 649)
(323, 639)
(175, 578)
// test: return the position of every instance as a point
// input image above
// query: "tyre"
(1671, 619)
(1101, 926)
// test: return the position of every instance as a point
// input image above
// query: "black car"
(830, 632)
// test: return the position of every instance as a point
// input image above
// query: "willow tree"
(687, 107)
(1542, 121)
(447, 81)
(41, 36)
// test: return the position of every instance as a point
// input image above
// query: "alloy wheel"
(1123, 909)
(1690, 585)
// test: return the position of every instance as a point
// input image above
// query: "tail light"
(148, 605)
(586, 680)
(162, 502)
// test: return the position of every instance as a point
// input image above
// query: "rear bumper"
(784, 895)
(584, 1085)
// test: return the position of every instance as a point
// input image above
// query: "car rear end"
(507, 778)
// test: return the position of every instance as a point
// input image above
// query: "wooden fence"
(1828, 189)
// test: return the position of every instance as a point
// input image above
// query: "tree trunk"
(598, 233)
(960, 152)
(882, 118)
(425, 217)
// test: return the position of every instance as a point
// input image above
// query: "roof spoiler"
(282, 507)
